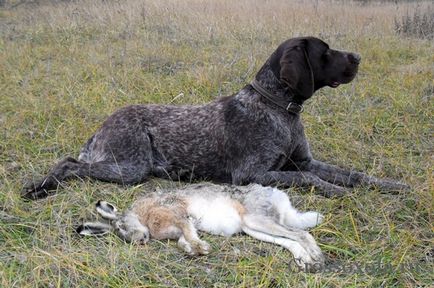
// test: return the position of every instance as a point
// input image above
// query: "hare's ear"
(93, 228)
(106, 210)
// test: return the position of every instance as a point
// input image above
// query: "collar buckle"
(294, 108)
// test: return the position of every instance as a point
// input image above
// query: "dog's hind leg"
(122, 173)
(126, 158)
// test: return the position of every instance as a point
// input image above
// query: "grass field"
(66, 65)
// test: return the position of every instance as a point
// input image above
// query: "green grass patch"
(66, 65)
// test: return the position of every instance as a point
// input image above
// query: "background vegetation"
(66, 65)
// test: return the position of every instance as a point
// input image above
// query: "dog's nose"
(354, 58)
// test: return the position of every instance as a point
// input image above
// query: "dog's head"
(307, 64)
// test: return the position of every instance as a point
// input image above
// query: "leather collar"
(291, 107)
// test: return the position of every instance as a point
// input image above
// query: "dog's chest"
(289, 131)
(289, 139)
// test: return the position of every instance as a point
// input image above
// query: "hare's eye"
(119, 225)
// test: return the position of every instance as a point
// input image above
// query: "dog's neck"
(271, 89)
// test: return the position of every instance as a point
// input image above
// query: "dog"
(264, 213)
(253, 136)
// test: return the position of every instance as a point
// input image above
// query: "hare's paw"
(310, 219)
(310, 260)
(204, 248)
(186, 246)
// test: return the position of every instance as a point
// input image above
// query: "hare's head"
(127, 226)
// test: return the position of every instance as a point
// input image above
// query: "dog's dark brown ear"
(291, 65)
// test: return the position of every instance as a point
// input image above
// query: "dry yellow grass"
(65, 66)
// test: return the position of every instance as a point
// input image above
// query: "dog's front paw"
(41, 189)
(34, 191)
(392, 186)
(334, 191)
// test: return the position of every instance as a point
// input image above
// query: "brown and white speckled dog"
(264, 213)
(253, 136)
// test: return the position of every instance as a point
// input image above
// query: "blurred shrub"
(419, 24)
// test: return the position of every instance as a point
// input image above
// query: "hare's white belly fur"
(219, 215)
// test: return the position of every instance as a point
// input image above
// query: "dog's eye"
(326, 56)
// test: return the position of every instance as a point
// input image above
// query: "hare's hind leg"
(275, 203)
(301, 244)
(291, 217)
(303, 220)
(190, 241)
(301, 257)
